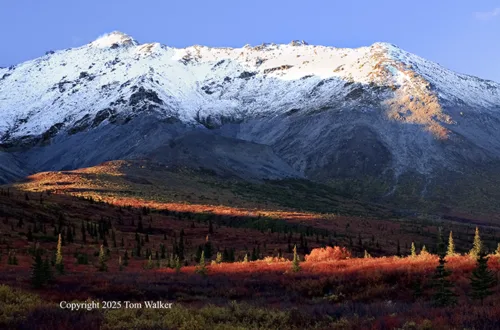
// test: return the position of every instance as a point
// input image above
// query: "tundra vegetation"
(238, 268)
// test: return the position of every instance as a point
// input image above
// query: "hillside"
(375, 123)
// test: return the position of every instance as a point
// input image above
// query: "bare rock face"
(376, 121)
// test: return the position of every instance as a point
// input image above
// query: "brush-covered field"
(231, 257)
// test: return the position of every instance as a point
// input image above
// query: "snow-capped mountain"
(317, 112)
(117, 74)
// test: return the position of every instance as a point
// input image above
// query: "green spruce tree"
(218, 259)
(59, 264)
(477, 246)
(47, 268)
(201, 268)
(443, 295)
(296, 260)
(177, 264)
(482, 279)
(37, 271)
(125, 258)
(451, 246)
(103, 267)
(149, 264)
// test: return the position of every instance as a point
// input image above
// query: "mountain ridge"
(207, 88)
(376, 121)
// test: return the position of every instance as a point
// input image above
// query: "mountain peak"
(114, 39)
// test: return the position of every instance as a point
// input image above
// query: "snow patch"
(113, 39)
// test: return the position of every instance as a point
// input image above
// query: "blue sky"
(461, 35)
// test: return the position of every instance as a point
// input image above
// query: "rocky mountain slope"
(375, 121)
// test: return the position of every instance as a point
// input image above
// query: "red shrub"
(328, 254)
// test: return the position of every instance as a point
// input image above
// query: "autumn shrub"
(52, 317)
(328, 254)
(271, 259)
(233, 316)
(15, 304)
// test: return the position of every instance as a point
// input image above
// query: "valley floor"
(125, 249)
(372, 293)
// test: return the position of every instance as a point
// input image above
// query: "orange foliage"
(328, 254)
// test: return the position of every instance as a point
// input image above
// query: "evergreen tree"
(103, 267)
(482, 279)
(63, 237)
(82, 259)
(210, 226)
(59, 257)
(69, 235)
(254, 254)
(29, 235)
(149, 263)
(218, 259)
(451, 246)
(208, 250)
(163, 251)
(125, 258)
(140, 228)
(37, 272)
(367, 255)
(113, 238)
(417, 289)
(171, 260)
(177, 264)
(138, 250)
(14, 259)
(84, 234)
(477, 246)
(296, 260)
(443, 296)
(201, 268)
(41, 273)
(198, 253)
(245, 259)
(413, 250)
(423, 251)
(180, 247)
(47, 269)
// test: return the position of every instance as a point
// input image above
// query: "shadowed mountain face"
(11, 168)
(375, 122)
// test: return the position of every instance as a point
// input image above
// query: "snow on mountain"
(116, 75)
